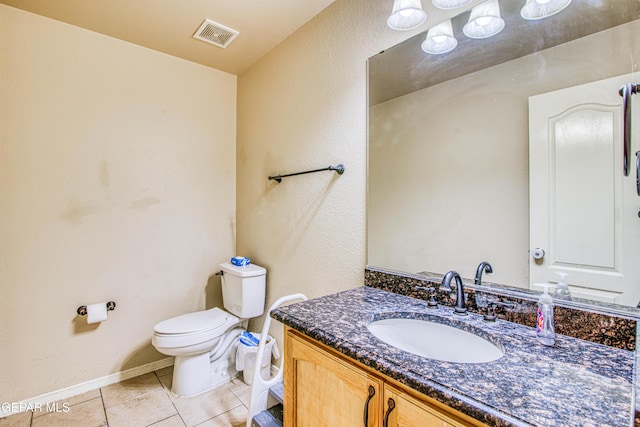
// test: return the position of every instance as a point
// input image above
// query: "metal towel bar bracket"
(625, 92)
(338, 169)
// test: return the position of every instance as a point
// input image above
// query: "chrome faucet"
(482, 267)
(446, 284)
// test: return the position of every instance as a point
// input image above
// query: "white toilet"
(204, 342)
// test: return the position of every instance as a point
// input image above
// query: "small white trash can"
(246, 358)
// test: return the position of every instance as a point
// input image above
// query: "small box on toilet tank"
(243, 289)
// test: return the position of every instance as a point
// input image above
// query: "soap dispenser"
(562, 289)
(545, 328)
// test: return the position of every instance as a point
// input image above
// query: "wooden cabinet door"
(324, 390)
(403, 410)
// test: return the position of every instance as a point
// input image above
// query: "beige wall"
(117, 182)
(449, 173)
(304, 106)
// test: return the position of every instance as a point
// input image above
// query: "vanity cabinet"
(404, 410)
(322, 389)
(325, 388)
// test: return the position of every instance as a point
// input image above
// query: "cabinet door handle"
(372, 392)
(390, 406)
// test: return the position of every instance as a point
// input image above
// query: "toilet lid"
(192, 322)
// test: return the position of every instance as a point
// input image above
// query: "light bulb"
(540, 9)
(406, 15)
(484, 21)
(449, 4)
(440, 39)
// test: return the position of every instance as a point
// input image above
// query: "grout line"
(168, 393)
(106, 418)
(164, 419)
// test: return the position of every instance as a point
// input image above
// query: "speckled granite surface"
(611, 326)
(575, 383)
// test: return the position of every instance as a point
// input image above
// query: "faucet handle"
(490, 316)
(432, 303)
(481, 299)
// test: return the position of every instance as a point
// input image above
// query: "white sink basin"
(435, 340)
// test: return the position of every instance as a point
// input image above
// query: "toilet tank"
(243, 289)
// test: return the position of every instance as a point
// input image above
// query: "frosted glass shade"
(484, 21)
(440, 39)
(449, 4)
(540, 9)
(406, 15)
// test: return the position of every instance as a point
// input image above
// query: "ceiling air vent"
(216, 34)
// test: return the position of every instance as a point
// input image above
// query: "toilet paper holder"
(82, 310)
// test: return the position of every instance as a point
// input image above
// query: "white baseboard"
(74, 390)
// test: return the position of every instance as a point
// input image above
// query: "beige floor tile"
(86, 414)
(197, 409)
(240, 390)
(141, 411)
(115, 394)
(174, 421)
(144, 401)
(237, 417)
(165, 371)
(93, 394)
(166, 381)
(82, 397)
(237, 382)
(22, 419)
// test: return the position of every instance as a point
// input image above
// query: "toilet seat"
(189, 323)
(192, 328)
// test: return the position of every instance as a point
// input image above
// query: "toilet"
(204, 342)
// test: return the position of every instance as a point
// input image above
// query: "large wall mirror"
(476, 154)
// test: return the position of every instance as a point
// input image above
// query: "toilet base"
(189, 381)
(187, 375)
(196, 374)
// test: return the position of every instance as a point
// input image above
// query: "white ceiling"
(168, 25)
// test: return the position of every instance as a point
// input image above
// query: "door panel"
(583, 211)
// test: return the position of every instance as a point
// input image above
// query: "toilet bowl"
(204, 343)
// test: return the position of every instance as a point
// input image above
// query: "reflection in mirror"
(449, 153)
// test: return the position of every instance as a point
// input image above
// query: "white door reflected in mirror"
(582, 207)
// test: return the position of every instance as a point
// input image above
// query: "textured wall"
(117, 181)
(304, 106)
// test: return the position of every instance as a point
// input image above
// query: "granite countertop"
(574, 383)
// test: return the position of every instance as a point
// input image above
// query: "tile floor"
(145, 401)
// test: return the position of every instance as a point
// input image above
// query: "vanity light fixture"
(540, 9)
(449, 4)
(484, 21)
(440, 39)
(406, 15)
